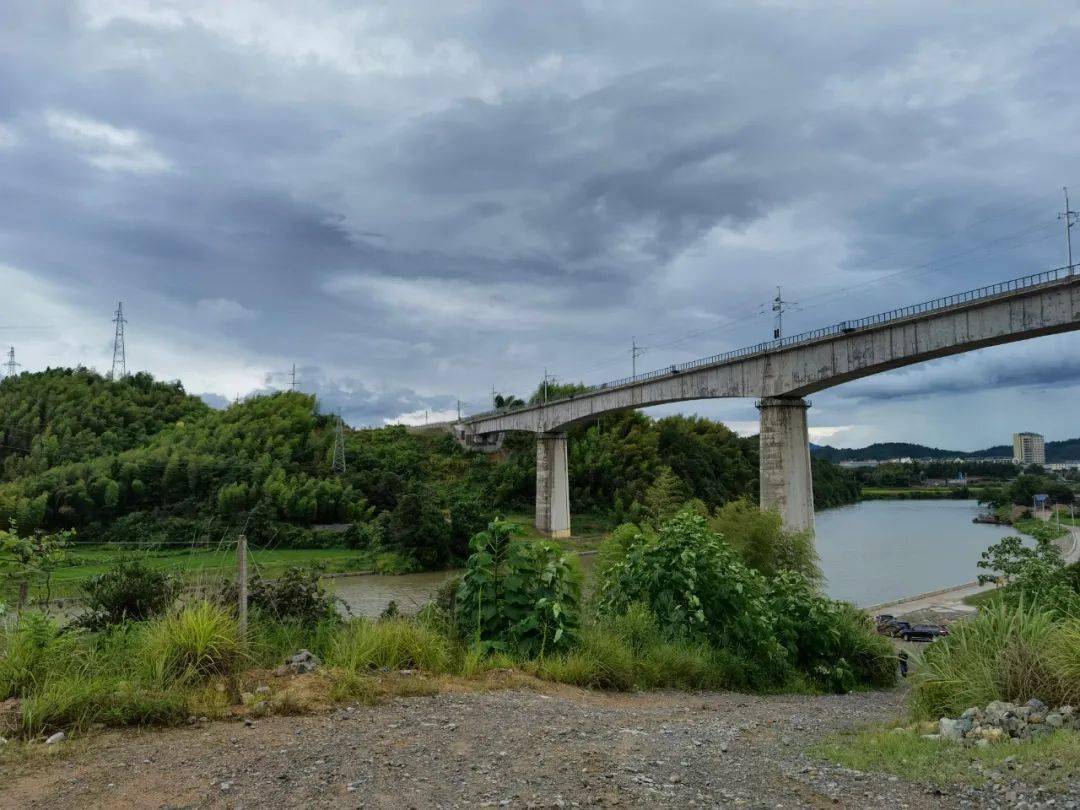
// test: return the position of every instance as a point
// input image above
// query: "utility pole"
(778, 307)
(11, 365)
(119, 356)
(494, 406)
(1070, 217)
(546, 378)
(242, 582)
(459, 410)
(338, 465)
(635, 352)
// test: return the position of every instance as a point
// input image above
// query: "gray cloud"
(423, 202)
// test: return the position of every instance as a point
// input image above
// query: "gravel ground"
(518, 748)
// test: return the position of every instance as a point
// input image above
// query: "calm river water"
(871, 552)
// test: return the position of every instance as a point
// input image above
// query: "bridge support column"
(552, 485)
(786, 483)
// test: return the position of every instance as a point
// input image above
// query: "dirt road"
(517, 748)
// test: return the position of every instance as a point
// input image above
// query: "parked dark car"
(922, 632)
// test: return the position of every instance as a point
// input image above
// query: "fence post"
(242, 581)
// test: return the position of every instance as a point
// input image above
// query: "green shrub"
(271, 641)
(393, 562)
(599, 661)
(763, 544)
(832, 642)
(696, 586)
(296, 595)
(630, 651)
(192, 644)
(392, 644)
(129, 591)
(519, 595)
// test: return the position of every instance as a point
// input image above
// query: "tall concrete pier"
(786, 483)
(552, 485)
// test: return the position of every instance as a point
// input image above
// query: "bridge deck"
(1017, 309)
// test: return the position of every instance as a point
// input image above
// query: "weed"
(392, 644)
(192, 644)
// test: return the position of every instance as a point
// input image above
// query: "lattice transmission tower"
(338, 464)
(119, 357)
(10, 365)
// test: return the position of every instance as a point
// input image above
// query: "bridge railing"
(844, 327)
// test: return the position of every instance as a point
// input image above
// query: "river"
(871, 552)
(878, 551)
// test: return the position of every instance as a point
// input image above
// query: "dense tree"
(148, 464)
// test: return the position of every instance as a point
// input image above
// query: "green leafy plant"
(297, 594)
(130, 590)
(27, 560)
(762, 542)
(832, 642)
(518, 594)
(696, 585)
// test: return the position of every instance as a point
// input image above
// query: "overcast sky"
(416, 201)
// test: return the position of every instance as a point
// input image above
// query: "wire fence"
(841, 328)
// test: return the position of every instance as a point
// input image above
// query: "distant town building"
(1063, 466)
(1029, 448)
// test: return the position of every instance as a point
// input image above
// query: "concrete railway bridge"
(780, 374)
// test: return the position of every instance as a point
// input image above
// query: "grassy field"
(199, 566)
(203, 566)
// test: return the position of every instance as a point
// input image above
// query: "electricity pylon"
(10, 365)
(338, 465)
(119, 358)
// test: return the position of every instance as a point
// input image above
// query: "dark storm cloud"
(1053, 364)
(418, 202)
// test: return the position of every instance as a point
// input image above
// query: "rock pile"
(303, 661)
(1003, 722)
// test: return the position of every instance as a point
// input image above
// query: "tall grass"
(271, 641)
(191, 644)
(630, 651)
(390, 644)
(1002, 654)
(30, 651)
(1063, 659)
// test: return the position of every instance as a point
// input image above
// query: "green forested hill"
(62, 415)
(1063, 450)
(141, 461)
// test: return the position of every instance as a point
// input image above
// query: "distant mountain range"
(1067, 450)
